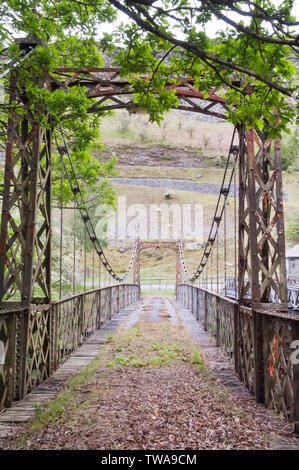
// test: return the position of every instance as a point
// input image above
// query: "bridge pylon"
(25, 239)
(262, 262)
(154, 244)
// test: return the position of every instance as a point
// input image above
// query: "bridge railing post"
(128, 296)
(258, 348)
(82, 319)
(295, 338)
(53, 337)
(7, 365)
(193, 303)
(21, 352)
(197, 304)
(98, 320)
(205, 300)
(192, 300)
(120, 297)
(105, 306)
(218, 313)
(117, 299)
(110, 302)
(236, 338)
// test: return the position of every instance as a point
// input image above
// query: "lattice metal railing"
(279, 334)
(211, 317)
(35, 340)
(226, 319)
(38, 347)
(201, 305)
(7, 346)
(260, 344)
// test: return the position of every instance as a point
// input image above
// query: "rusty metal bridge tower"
(261, 222)
(25, 240)
(144, 245)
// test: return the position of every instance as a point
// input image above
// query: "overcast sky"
(211, 27)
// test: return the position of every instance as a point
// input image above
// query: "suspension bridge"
(249, 310)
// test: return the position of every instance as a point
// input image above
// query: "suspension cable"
(218, 215)
(81, 205)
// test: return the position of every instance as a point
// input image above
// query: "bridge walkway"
(160, 383)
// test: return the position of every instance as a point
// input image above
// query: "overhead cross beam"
(113, 92)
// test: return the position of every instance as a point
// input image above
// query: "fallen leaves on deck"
(153, 396)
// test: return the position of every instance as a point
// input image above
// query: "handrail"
(57, 329)
(232, 301)
(74, 296)
(33, 307)
(274, 313)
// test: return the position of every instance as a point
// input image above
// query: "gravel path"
(182, 185)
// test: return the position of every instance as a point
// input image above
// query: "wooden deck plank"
(7, 430)
(16, 416)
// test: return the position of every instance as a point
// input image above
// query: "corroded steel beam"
(106, 83)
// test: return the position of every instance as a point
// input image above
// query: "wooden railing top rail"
(13, 307)
(74, 296)
(278, 314)
(246, 309)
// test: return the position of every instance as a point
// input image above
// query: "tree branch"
(147, 26)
